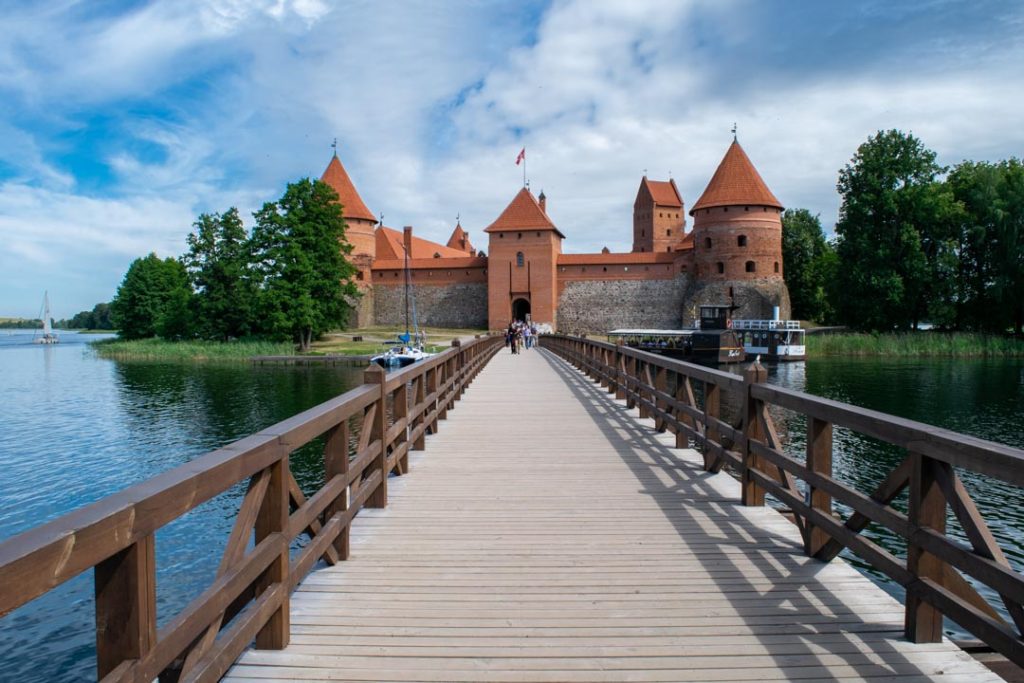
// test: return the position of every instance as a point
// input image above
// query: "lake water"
(74, 428)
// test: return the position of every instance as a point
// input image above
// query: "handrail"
(250, 594)
(936, 568)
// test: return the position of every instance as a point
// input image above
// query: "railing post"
(752, 493)
(400, 411)
(641, 378)
(458, 361)
(620, 371)
(125, 586)
(419, 397)
(272, 518)
(660, 386)
(819, 461)
(927, 508)
(712, 407)
(631, 384)
(336, 464)
(432, 391)
(378, 430)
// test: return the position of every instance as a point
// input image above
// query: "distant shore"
(914, 344)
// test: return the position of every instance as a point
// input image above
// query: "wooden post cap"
(456, 342)
(373, 375)
(755, 372)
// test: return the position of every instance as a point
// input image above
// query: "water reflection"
(77, 428)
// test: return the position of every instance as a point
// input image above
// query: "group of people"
(520, 335)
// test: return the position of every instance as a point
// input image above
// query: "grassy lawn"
(374, 338)
(160, 350)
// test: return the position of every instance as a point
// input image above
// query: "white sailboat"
(48, 337)
(412, 348)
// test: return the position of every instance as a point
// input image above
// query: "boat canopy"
(651, 333)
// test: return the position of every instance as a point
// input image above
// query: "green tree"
(149, 299)
(808, 257)
(894, 235)
(305, 281)
(218, 265)
(990, 244)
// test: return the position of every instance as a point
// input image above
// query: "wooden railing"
(939, 572)
(249, 598)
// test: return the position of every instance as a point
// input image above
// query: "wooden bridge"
(558, 527)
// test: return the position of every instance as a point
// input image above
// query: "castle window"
(776, 266)
(741, 240)
(396, 274)
(359, 275)
(661, 215)
(437, 254)
(641, 233)
(519, 259)
(730, 292)
(707, 242)
(751, 266)
(625, 269)
(746, 208)
(520, 236)
(449, 273)
(668, 233)
(721, 268)
(725, 210)
(765, 209)
(501, 235)
(538, 234)
(668, 248)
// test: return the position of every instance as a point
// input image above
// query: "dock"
(580, 512)
(549, 534)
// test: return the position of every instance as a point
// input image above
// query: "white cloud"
(431, 104)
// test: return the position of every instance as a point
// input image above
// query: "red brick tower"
(659, 221)
(522, 255)
(737, 224)
(359, 232)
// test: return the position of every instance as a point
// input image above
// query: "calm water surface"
(74, 428)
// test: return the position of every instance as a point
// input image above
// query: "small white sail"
(47, 328)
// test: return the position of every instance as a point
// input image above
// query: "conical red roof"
(735, 183)
(459, 239)
(352, 204)
(523, 213)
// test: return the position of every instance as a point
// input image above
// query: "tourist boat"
(778, 340)
(48, 337)
(715, 346)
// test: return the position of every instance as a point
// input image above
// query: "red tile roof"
(523, 213)
(390, 246)
(664, 193)
(736, 182)
(431, 263)
(352, 204)
(459, 239)
(646, 257)
(686, 243)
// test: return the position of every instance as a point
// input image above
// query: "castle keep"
(732, 256)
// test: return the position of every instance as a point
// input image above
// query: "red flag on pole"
(521, 157)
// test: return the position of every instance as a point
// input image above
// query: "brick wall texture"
(453, 305)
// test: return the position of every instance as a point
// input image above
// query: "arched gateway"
(520, 309)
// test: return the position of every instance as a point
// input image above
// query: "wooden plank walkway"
(548, 534)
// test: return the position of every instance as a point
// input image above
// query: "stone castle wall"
(602, 305)
(462, 305)
(754, 299)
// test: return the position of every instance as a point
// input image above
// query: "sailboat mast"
(406, 249)
(47, 328)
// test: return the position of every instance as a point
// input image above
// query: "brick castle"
(732, 256)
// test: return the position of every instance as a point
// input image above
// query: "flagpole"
(524, 166)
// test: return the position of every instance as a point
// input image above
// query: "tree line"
(915, 242)
(289, 278)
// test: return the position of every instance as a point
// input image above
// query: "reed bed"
(190, 351)
(911, 344)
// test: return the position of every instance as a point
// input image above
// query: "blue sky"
(121, 121)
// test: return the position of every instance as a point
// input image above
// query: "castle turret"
(737, 224)
(659, 222)
(359, 232)
(460, 240)
(523, 249)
